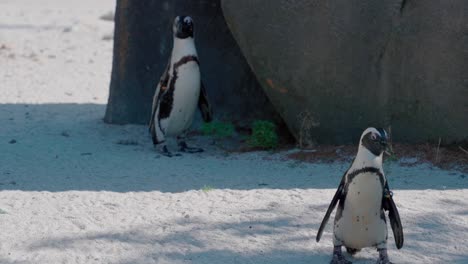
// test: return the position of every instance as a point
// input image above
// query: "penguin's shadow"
(61, 147)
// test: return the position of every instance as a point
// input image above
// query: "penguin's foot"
(383, 257)
(165, 152)
(184, 148)
(352, 251)
(338, 257)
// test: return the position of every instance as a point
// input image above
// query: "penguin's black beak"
(184, 27)
(184, 30)
(385, 146)
(383, 142)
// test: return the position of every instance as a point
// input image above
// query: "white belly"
(361, 225)
(186, 93)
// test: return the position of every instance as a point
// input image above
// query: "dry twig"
(437, 153)
(462, 149)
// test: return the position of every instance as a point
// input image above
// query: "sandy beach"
(76, 190)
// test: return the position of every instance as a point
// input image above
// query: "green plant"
(390, 155)
(207, 188)
(263, 135)
(218, 129)
(392, 158)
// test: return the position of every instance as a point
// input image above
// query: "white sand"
(70, 194)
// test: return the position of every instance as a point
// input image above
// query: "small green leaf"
(263, 135)
(218, 129)
(207, 188)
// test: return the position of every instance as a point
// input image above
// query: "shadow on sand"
(61, 147)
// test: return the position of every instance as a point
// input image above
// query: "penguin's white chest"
(361, 224)
(186, 93)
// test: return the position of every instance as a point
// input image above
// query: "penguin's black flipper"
(160, 89)
(165, 77)
(389, 205)
(204, 105)
(338, 196)
(153, 110)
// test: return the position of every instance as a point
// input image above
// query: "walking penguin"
(179, 91)
(362, 197)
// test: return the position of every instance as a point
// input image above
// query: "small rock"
(86, 154)
(187, 216)
(127, 142)
(108, 37)
(65, 134)
(67, 29)
(12, 183)
(108, 16)
(409, 160)
(13, 141)
(32, 55)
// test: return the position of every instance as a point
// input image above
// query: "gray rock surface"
(333, 68)
(143, 44)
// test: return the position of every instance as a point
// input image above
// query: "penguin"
(363, 196)
(179, 91)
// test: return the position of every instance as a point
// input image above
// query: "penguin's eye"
(373, 137)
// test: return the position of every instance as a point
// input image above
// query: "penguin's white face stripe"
(188, 20)
(176, 22)
(174, 26)
(385, 133)
(370, 129)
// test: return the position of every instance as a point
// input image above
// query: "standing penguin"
(362, 197)
(179, 91)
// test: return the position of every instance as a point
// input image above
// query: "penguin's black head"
(183, 27)
(375, 140)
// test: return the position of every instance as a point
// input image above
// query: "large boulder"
(333, 68)
(143, 44)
